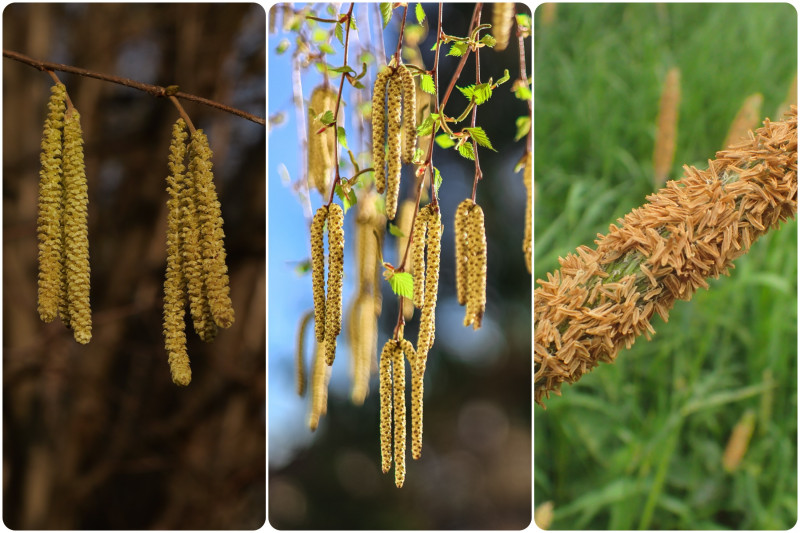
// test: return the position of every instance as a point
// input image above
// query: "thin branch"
(524, 77)
(182, 113)
(153, 90)
(400, 36)
(478, 171)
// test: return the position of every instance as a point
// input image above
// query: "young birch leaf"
(427, 125)
(482, 93)
(350, 200)
(523, 127)
(327, 118)
(465, 150)
(488, 40)
(523, 92)
(394, 230)
(337, 31)
(326, 48)
(319, 35)
(386, 13)
(437, 180)
(426, 84)
(444, 141)
(282, 46)
(504, 79)
(420, 13)
(340, 134)
(467, 91)
(480, 137)
(457, 49)
(402, 284)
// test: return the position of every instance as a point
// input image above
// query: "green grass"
(639, 443)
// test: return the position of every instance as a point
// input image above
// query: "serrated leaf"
(426, 84)
(523, 127)
(386, 13)
(420, 13)
(350, 200)
(482, 93)
(465, 149)
(326, 48)
(444, 141)
(394, 230)
(282, 46)
(488, 40)
(480, 137)
(426, 127)
(340, 134)
(353, 24)
(457, 49)
(402, 284)
(327, 118)
(437, 180)
(337, 31)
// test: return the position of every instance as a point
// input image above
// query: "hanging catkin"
(409, 113)
(379, 128)
(318, 270)
(476, 269)
(502, 21)
(51, 197)
(601, 300)
(428, 314)
(321, 146)
(393, 142)
(333, 301)
(385, 374)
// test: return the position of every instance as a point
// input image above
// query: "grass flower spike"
(51, 195)
(602, 299)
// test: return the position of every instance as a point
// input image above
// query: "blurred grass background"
(640, 443)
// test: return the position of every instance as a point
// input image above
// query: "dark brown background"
(97, 436)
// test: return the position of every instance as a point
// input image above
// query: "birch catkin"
(320, 377)
(476, 269)
(427, 320)
(417, 254)
(409, 113)
(461, 226)
(321, 146)
(502, 21)
(394, 141)
(399, 406)
(318, 270)
(601, 300)
(333, 301)
(385, 373)
(379, 128)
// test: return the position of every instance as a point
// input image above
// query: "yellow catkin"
(318, 270)
(300, 369)
(321, 146)
(543, 515)
(385, 374)
(320, 377)
(667, 130)
(333, 301)
(379, 128)
(602, 299)
(209, 215)
(192, 251)
(746, 119)
(405, 217)
(417, 254)
(76, 232)
(427, 320)
(461, 228)
(174, 281)
(739, 441)
(527, 246)
(399, 405)
(367, 335)
(502, 22)
(476, 269)
(394, 142)
(409, 113)
(549, 14)
(49, 229)
(416, 399)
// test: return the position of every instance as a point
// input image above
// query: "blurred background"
(97, 436)
(650, 442)
(475, 469)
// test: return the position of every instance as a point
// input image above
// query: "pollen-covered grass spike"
(601, 299)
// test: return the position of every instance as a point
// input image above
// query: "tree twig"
(153, 90)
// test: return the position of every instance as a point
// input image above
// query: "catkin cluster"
(327, 305)
(693, 229)
(471, 261)
(196, 268)
(427, 234)
(62, 228)
(322, 146)
(387, 139)
(393, 407)
(502, 21)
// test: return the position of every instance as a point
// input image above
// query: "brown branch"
(478, 171)
(153, 90)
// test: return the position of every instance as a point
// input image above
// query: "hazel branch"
(153, 90)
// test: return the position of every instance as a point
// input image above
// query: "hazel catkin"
(394, 141)
(379, 128)
(318, 270)
(51, 197)
(76, 237)
(333, 301)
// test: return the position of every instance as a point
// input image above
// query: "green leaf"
(386, 12)
(418, 154)
(426, 128)
(437, 180)
(319, 35)
(444, 141)
(488, 40)
(402, 284)
(420, 13)
(523, 92)
(340, 134)
(394, 230)
(363, 71)
(426, 84)
(303, 267)
(354, 83)
(465, 149)
(353, 24)
(524, 20)
(282, 46)
(504, 79)
(326, 48)
(348, 199)
(457, 49)
(331, 10)
(467, 91)
(480, 93)
(346, 69)
(480, 137)
(337, 31)
(327, 118)
(523, 127)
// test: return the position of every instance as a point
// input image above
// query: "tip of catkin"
(181, 372)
